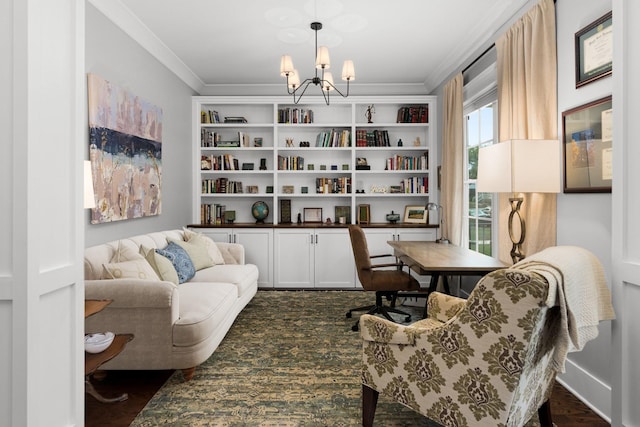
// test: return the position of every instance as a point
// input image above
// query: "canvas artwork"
(125, 148)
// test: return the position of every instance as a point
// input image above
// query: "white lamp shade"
(286, 65)
(322, 58)
(294, 79)
(348, 71)
(519, 166)
(89, 196)
(329, 78)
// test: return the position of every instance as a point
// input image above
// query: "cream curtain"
(527, 104)
(452, 160)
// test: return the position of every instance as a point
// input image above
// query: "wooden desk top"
(428, 257)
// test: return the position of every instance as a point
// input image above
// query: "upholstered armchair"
(485, 361)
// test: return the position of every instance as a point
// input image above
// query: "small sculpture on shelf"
(263, 164)
(370, 112)
(400, 142)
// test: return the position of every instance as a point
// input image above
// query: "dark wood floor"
(567, 410)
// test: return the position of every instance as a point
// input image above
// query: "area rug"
(290, 359)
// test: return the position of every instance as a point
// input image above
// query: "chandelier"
(325, 80)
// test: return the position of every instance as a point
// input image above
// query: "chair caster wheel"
(407, 319)
(355, 328)
(348, 315)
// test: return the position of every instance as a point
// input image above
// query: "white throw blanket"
(578, 286)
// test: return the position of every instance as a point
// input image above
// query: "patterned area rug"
(290, 359)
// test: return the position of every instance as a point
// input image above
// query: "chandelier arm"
(306, 84)
(336, 89)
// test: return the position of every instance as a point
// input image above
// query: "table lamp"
(519, 166)
(435, 206)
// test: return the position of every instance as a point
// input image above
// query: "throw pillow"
(124, 253)
(136, 269)
(226, 254)
(207, 242)
(180, 260)
(160, 264)
(197, 252)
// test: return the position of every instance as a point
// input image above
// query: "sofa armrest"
(132, 293)
(233, 250)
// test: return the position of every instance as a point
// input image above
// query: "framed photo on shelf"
(252, 189)
(594, 50)
(312, 214)
(415, 214)
(364, 214)
(342, 215)
(287, 189)
(587, 144)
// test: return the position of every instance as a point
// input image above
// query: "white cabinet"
(313, 258)
(258, 248)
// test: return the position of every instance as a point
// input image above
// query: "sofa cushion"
(243, 276)
(198, 253)
(180, 260)
(203, 306)
(136, 269)
(161, 265)
(202, 240)
(125, 252)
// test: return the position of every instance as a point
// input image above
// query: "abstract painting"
(125, 149)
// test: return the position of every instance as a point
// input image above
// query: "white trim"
(587, 388)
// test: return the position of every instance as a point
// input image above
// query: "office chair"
(385, 283)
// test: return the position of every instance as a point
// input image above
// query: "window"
(480, 130)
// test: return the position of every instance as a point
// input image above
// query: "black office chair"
(385, 283)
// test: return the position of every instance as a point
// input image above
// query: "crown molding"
(121, 16)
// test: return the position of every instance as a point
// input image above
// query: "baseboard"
(589, 389)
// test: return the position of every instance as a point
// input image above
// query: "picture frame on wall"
(587, 147)
(417, 214)
(594, 50)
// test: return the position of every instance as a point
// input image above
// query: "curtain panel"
(452, 160)
(527, 109)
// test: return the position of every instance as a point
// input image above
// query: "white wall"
(584, 219)
(113, 55)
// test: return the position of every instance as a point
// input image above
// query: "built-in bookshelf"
(250, 149)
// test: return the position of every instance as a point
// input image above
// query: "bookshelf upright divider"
(318, 158)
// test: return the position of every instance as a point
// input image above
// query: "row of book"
(418, 114)
(295, 163)
(209, 116)
(221, 185)
(415, 185)
(295, 115)
(209, 138)
(212, 214)
(398, 162)
(340, 185)
(372, 138)
(334, 138)
(218, 163)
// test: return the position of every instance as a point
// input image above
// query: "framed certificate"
(594, 51)
(587, 147)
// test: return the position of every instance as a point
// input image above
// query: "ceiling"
(214, 43)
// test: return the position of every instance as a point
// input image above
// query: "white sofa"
(175, 326)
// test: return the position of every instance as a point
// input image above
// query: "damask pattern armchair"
(484, 361)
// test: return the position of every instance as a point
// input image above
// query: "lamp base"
(516, 249)
(443, 240)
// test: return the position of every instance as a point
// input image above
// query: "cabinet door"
(258, 250)
(334, 263)
(223, 235)
(294, 258)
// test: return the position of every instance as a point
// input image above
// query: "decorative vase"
(393, 217)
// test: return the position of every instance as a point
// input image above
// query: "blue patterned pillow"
(180, 260)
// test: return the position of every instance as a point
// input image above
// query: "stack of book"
(290, 163)
(419, 114)
(340, 185)
(334, 138)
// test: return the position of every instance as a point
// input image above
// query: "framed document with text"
(594, 51)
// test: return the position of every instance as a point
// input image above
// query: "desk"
(430, 258)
